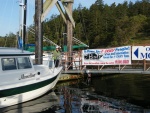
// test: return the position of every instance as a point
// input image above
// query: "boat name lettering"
(27, 76)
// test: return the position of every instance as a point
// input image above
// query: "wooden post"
(69, 34)
(38, 32)
(144, 64)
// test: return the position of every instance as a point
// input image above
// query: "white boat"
(20, 80)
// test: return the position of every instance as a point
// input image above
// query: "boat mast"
(22, 27)
(20, 4)
(24, 23)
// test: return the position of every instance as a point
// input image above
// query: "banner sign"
(140, 52)
(109, 56)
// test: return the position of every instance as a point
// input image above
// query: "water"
(121, 93)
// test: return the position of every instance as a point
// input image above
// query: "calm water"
(122, 93)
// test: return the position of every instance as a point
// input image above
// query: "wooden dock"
(76, 67)
(134, 71)
(105, 71)
(70, 76)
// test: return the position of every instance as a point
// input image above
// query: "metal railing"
(137, 66)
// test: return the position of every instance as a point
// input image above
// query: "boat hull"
(22, 94)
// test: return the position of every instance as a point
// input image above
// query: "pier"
(76, 67)
(120, 59)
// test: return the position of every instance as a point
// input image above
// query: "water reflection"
(106, 94)
(41, 104)
(133, 88)
(82, 98)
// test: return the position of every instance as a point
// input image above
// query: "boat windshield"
(23, 63)
(15, 63)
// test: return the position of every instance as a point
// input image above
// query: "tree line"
(99, 26)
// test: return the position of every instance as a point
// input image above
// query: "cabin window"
(8, 63)
(23, 63)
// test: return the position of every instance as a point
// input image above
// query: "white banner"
(140, 52)
(110, 56)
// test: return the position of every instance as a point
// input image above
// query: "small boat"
(21, 80)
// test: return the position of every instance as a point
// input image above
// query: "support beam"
(69, 34)
(47, 6)
(38, 32)
(61, 12)
(67, 1)
(69, 13)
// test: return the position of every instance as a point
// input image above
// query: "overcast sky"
(9, 12)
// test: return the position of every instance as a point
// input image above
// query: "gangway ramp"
(136, 67)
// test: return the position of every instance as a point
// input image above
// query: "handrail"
(79, 42)
(44, 38)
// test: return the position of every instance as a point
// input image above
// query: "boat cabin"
(14, 60)
(20, 80)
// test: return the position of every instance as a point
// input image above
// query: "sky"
(10, 13)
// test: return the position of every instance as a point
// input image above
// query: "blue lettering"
(146, 56)
(97, 51)
(143, 56)
(119, 56)
(126, 56)
(148, 49)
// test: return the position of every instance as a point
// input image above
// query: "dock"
(76, 67)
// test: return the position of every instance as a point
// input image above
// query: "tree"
(126, 28)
